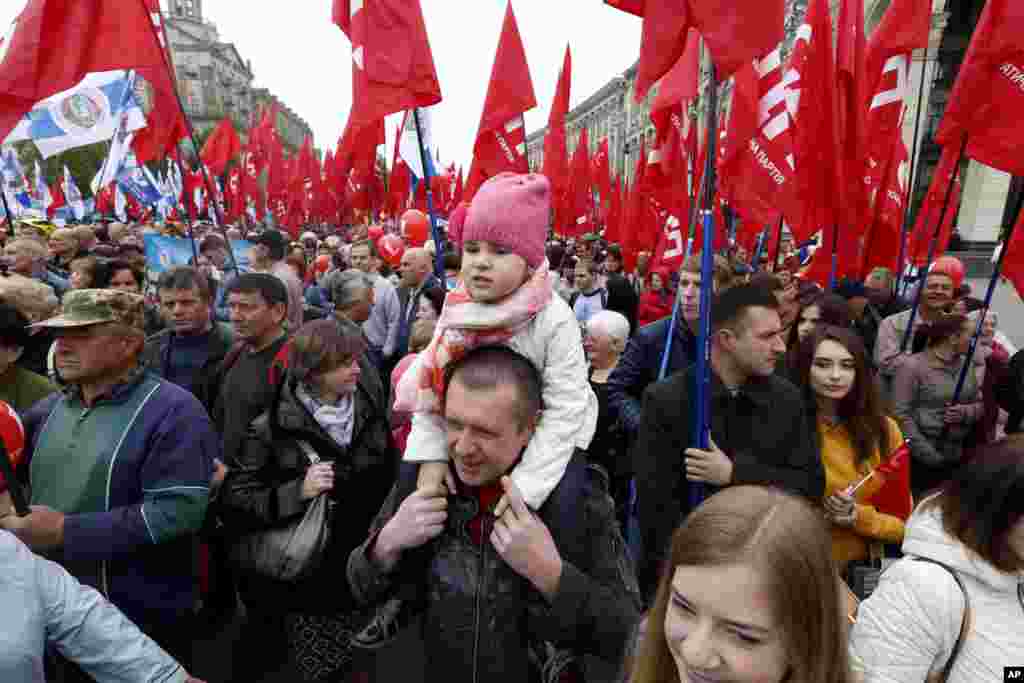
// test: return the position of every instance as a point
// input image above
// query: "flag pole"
(189, 222)
(7, 209)
(192, 135)
(914, 176)
(435, 229)
(923, 272)
(526, 146)
(702, 417)
(778, 245)
(983, 313)
(755, 261)
(835, 257)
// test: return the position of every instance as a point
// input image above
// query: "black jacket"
(639, 366)
(264, 485)
(764, 429)
(622, 298)
(482, 617)
(156, 357)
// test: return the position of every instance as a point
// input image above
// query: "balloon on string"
(391, 248)
(415, 228)
(12, 433)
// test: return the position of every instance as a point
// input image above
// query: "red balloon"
(415, 227)
(391, 248)
(13, 435)
(375, 232)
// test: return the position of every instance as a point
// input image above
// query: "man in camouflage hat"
(119, 465)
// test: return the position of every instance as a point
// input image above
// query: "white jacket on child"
(552, 342)
(907, 629)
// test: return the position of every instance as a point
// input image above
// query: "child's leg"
(431, 474)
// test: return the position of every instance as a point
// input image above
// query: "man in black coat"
(760, 430)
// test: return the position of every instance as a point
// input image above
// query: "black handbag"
(294, 550)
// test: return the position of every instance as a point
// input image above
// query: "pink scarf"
(465, 324)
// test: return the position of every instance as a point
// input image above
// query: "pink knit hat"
(512, 210)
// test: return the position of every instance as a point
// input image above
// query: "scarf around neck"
(464, 325)
(336, 420)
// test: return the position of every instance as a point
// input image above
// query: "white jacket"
(907, 629)
(552, 342)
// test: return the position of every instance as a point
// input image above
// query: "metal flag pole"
(968, 365)
(922, 272)
(755, 261)
(835, 257)
(702, 405)
(914, 176)
(192, 135)
(435, 229)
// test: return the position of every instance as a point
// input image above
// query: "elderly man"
(27, 256)
(416, 274)
(381, 328)
(352, 293)
(120, 466)
(497, 588)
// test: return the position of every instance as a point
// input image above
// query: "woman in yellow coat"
(854, 436)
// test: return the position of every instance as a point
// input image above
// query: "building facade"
(987, 193)
(214, 80)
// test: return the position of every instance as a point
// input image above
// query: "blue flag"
(165, 252)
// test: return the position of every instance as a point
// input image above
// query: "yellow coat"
(841, 470)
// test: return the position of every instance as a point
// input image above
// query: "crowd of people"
(352, 436)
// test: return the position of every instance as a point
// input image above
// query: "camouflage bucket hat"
(85, 307)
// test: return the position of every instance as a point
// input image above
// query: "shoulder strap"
(572, 299)
(965, 622)
(604, 298)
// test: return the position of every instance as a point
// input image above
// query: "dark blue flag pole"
(913, 177)
(702, 405)
(908, 334)
(435, 229)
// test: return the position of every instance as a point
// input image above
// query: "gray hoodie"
(42, 605)
(907, 629)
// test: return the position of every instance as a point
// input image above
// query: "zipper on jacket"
(484, 533)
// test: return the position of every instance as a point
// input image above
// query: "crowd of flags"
(813, 141)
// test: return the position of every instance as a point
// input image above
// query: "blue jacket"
(639, 366)
(130, 532)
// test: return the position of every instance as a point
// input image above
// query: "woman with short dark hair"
(332, 403)
(922, 392)
(955, 604)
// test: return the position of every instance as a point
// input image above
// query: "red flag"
(221, 147)
(392, 64)
(758, 166)
(612, 232)
(501, 136)
(57, 197)
(818, 179)
(671, 246)
(580, 200)
(233, 196)
(635, 7)
(55, 43)
(903, 29)
(946, 172)
(894, 496)
(666, 169)
(851, 45)
(556, 160)
(735, 31)
(988, 97)
(165, 124)
(601, 176)
(882, 241)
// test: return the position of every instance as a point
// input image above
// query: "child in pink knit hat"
(505, 296)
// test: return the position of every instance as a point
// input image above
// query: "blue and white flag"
(163, 252)
(120, 143)
(73, 196)
(120, 204)
(43, 196)
(138, 181)
(15, 185)
(409, 146)
(83, 115)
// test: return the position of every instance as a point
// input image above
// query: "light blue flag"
(165, 252)
(73, 196)
(138, 181)
(88, 113)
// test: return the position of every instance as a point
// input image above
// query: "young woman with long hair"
(749, 593)
(854, 434)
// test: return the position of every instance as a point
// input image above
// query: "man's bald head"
(415, 267)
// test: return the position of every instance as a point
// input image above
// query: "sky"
(306, 61)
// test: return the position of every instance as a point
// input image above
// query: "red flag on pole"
(1013, 262)
(634, 7)
(580, 200)
(53, 44)
(893, 498)
(851, 45)
(601, 178)
(811, 76)
(904, 28)
(735, 31)
(881, 244)
(556, 160)
(221, 147)
(501, 136)
(988, 96)
(392, 64)
(165, 124)
(928, 213)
